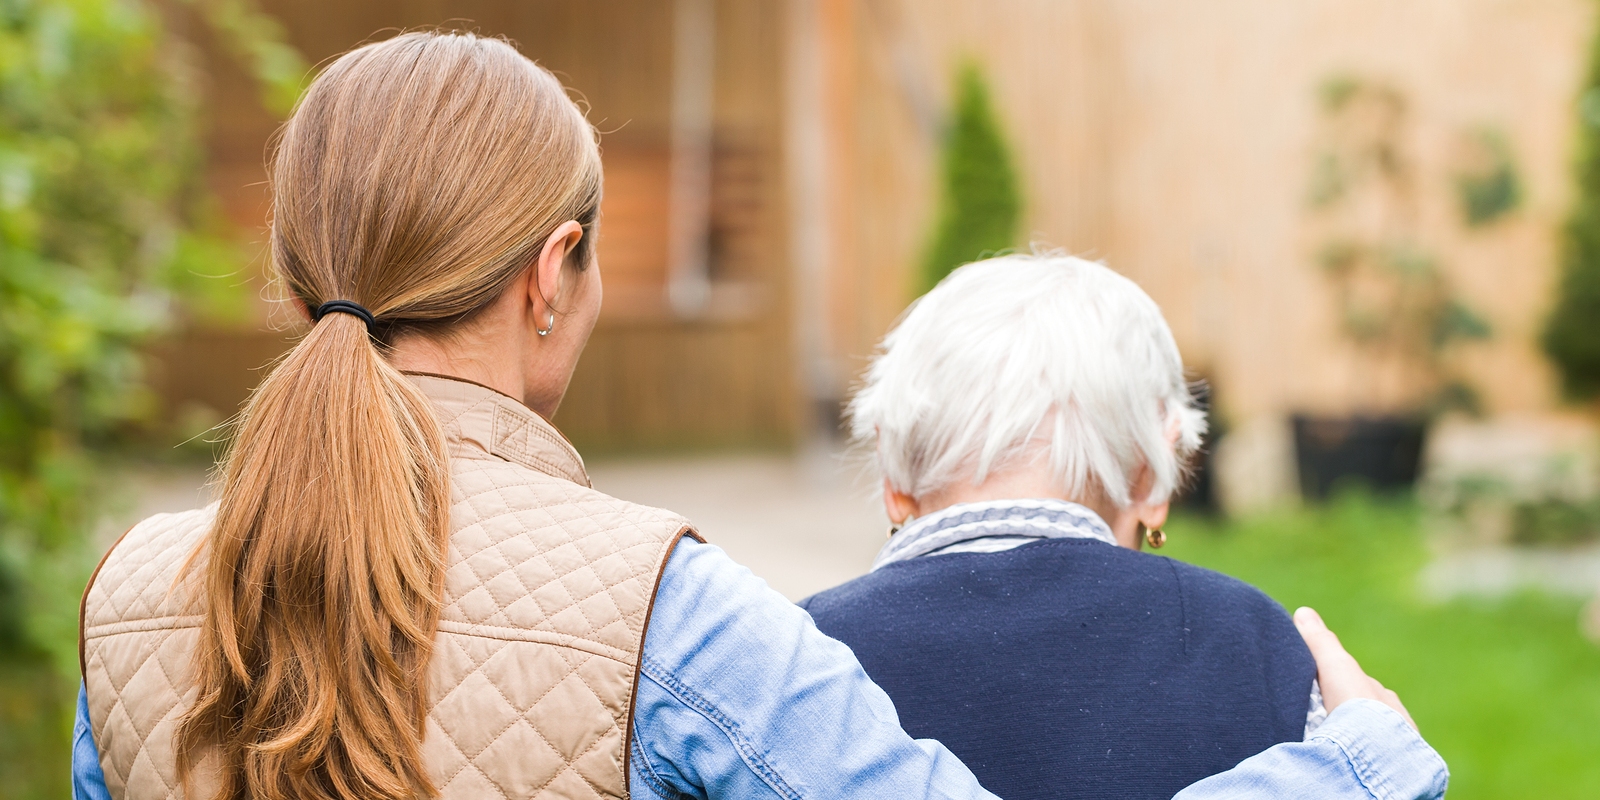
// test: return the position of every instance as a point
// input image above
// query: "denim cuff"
(1387, 755)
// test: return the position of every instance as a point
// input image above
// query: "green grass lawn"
(1508, 692)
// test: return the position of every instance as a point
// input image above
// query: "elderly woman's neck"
(1020, 485)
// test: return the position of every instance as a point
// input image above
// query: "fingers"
(1392, 700)
(1340, 676)
(1337, 671)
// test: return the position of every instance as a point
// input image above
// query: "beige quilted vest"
(548, 590)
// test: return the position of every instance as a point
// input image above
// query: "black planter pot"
(1383, 453)
(1199, 493)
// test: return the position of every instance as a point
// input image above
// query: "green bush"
(979, 203)
(1394, 300)
(1493, 189)
(105, 231)
(1555, 521)
(1572, 332)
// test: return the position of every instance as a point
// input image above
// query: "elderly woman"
(1031, 422)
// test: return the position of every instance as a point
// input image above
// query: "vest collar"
(474, 417)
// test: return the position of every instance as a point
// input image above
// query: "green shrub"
(1572, 332)
(1492, 189)
(979, 202)
(1393, 298)
(105, 230)
(1555, 521)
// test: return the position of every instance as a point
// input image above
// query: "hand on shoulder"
(1340, 676)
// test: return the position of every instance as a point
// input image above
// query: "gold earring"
(1154, 537)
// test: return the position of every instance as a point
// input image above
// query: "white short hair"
(1026, 357)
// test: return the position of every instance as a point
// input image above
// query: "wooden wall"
(1176, 140)
(649, 379)
(1173, 140)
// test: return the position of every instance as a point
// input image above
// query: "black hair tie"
(350, 307)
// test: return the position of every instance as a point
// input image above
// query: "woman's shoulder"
(158, 539)
(1218, 589)
(493, 492)
(135, 577)
(1222, 608)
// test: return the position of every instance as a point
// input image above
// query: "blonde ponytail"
(318, 593)
(417, 178)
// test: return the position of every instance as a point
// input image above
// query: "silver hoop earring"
(550, 326)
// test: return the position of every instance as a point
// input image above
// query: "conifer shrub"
(1572, 332)
(979, 203)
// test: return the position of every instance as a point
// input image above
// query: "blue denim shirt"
(741, 697)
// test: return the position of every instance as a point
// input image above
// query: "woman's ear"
(1174, 430)
(1142, 512)
(898, 505)
(549, 267)
(1155, 516)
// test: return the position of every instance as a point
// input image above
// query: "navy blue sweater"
(1073, 668)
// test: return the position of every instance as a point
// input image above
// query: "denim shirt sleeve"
(741, 696)
(88, 782)
(1364, 750)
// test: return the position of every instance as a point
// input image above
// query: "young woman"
(408, 589)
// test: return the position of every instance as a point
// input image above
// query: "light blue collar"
(993, 525)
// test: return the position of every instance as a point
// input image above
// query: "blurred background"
(1374, 226)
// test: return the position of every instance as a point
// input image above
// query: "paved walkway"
(1496, 572)
(803, 523)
